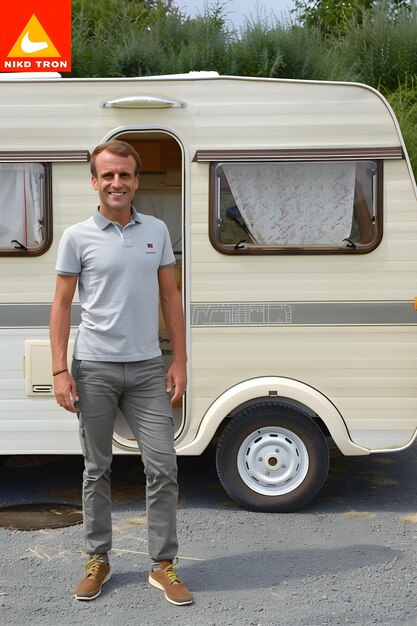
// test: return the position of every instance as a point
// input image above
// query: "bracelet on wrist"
(59, 372)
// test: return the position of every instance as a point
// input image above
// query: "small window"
(25, 219)
(278, 207)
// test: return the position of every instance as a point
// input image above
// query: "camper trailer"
(292, 211)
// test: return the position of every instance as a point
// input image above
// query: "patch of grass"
(354, 514)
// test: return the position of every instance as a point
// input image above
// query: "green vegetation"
(368, 41)
(335, 16)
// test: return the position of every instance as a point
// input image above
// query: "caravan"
(292, 211)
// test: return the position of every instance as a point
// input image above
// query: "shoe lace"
(172, 574)
(92, 566)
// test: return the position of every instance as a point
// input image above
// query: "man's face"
(116, 182)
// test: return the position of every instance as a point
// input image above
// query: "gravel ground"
(349, 558)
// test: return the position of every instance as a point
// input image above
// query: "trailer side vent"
(42, 388)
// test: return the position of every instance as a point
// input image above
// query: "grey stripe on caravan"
(303, 313)
(245, 314)
(36, 315)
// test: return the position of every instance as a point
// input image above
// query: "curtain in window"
(294, 203)
(21, 204)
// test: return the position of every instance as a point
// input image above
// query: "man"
(121, 260)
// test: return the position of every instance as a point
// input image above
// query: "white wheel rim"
(272, 461)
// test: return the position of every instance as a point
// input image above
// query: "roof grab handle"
(143, 102)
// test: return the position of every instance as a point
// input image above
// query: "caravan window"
(24, 206)
(274, 207)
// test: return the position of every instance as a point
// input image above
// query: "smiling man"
(122, 261)
(116, 178)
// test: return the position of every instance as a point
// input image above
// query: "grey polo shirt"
(118, 285)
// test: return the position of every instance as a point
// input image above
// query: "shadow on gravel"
(273, 567)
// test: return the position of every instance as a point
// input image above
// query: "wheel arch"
(270, 388)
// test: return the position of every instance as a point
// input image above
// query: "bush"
(285, 51)
(404, 103)
(380, 52)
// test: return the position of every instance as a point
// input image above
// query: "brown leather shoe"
(167, 580)
(96, 574)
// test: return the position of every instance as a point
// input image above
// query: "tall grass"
(169, 44)
(380, 52)
(377, 50)
(404, 102)
(283, 51)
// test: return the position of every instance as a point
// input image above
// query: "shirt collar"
(102, 222)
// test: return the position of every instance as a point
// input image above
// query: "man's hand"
(176, 379)
(65, 391)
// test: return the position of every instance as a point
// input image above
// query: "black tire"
(272, 457)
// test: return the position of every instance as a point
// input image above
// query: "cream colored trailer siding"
(219, 112)
(29, 425)
(368, 372)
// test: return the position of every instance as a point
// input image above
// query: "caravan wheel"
(272, 457)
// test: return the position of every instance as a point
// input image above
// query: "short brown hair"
(116, 147)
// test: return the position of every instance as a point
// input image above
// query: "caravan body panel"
(347, 325)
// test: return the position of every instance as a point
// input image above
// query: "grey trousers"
(138, 388)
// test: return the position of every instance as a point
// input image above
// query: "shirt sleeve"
(167, 256)
(68, 261)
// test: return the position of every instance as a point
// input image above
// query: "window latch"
(19, 246)
(350, 243)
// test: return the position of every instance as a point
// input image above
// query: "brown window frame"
(45, 158)
(214, 158)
